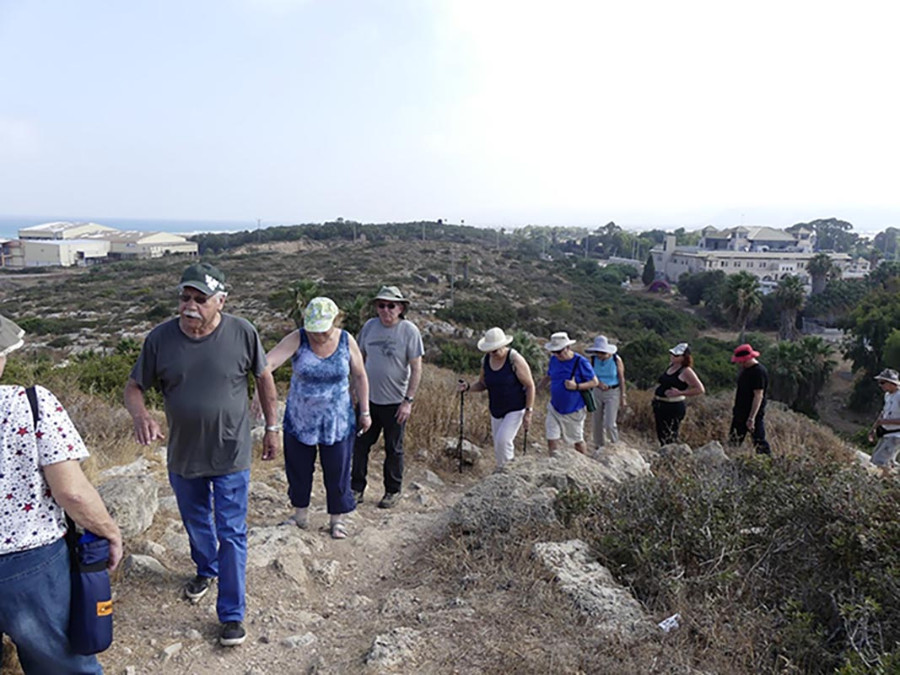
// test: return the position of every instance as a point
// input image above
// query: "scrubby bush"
(795, 553)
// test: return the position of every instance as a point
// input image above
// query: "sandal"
(338, 531)
(302, 523)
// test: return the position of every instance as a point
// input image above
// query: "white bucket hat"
(494, 339)
(601, 346)
(558, 341)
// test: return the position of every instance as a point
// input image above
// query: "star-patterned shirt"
(29, 516)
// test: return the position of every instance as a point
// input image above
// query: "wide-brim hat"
(319, 315)
(558, 341)
(889, 375)
(601, 346)
(743, 353)
(680, 349)
(494, 338)
(10, 336)
(206, 278)
(391, 294)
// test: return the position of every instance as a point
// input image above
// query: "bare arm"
(268, 400)
(620, 367)
(754, 408)
(146, 429)
(72, 490)
(478, 385)
(360, 384)
(695, 386)
(523, 373)
(415, 377)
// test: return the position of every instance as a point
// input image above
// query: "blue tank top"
(505, 393)
(318, 410)
(606, 370)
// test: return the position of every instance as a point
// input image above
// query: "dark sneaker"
(389, 500)
(197, 587)
(358, 496)
(232, 634)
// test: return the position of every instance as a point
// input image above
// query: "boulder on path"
(394, 649)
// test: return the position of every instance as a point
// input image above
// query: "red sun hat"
(743, 353)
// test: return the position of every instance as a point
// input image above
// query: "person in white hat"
(506, 377)
(609, 394)
(40, 471)
(676, 383)
(318, 413)
(568, 374)
(887, 427)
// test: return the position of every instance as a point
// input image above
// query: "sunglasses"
(199, 299)
(385, 305)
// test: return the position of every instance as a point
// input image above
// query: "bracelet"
(273, 427)
(529, 409)
(365, 413)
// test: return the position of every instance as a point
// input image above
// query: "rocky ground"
(377, 602)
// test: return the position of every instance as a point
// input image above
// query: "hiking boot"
(357, 496)
(389, 500)
(232, 634)
(197, 587)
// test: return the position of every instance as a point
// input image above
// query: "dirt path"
(353, 587)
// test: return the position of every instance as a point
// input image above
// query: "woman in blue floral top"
(319, 416)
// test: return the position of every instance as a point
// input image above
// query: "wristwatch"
(408, 399)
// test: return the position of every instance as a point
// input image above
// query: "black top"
(670, 381)
(750, 379)
(505, 393)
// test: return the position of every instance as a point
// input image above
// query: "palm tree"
(799, 372)
(742, 300)
(789, 296)
(821, 269)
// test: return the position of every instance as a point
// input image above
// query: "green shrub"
(460, 358)
(815, 546)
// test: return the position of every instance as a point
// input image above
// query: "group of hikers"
(344, 394)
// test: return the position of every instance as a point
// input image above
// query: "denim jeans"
(214, 512)
(35, 591)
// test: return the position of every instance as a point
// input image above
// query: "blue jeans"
(35, 591)
(300, 465)
(214, 512)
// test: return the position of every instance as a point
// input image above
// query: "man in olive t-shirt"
(200, 362)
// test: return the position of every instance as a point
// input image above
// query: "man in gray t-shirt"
(392, 349)
(200, 362)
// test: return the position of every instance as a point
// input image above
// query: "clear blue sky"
(497, 112)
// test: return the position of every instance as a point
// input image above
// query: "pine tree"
(649, 271)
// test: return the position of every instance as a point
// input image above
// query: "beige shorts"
(569, 428)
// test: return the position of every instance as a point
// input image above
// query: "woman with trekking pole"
(506, 377)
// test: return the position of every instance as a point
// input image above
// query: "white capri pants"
(504, 431)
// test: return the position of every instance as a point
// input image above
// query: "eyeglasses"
(199, 299)
(385, 305)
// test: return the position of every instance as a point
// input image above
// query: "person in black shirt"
(676, 383)
(750, 401)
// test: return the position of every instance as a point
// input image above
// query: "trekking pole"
(525, 442)
(459, 446)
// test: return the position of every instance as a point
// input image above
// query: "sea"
(10, 225)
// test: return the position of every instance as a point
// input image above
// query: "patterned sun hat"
(320, 314)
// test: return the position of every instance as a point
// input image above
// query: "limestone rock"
(132, 501)
(593, 589)
(393, 649)
(138, 565)
(711, 453)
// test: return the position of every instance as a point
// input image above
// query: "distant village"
(64, 244)
(767, 253)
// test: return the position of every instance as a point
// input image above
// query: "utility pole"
(258, 233)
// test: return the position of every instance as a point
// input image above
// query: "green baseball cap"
(206, 278)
